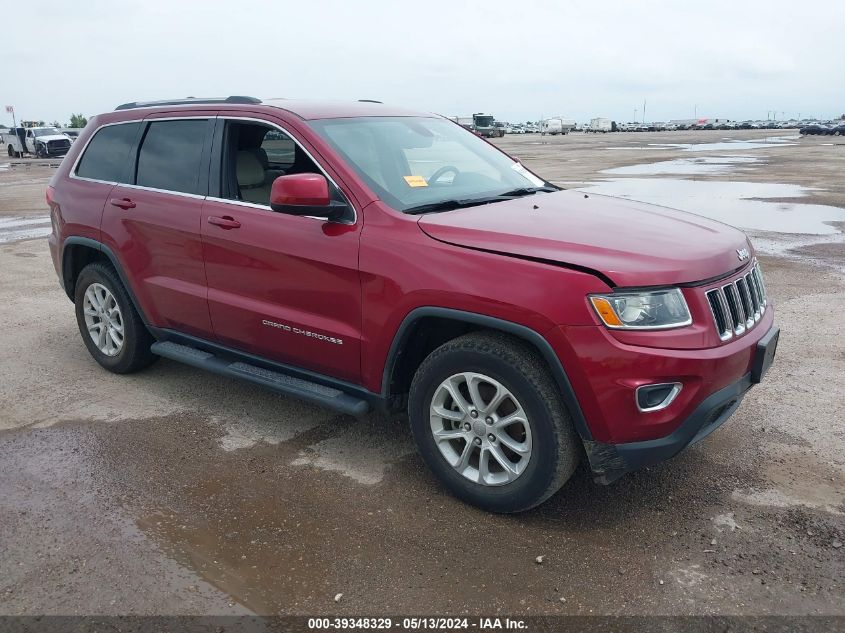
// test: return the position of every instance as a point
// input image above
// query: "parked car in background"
(599, 125)
(72, 132)
(837, 130)
(813, 129)
(43, 142)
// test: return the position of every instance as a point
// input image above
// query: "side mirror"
(305, 194)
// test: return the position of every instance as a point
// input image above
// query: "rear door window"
(170, 155)
(107, 154)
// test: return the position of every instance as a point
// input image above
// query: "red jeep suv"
(362, 256)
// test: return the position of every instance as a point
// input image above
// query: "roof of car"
(307, 109)
(303, 108)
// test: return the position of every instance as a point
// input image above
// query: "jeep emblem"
(742, 253)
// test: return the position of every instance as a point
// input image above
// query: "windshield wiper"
(449, 205)
(527, 191)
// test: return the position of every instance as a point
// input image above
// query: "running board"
(280, 383)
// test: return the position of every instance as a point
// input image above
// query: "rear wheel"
(111, 328)
(489, 421)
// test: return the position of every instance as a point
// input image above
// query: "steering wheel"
(443, 170)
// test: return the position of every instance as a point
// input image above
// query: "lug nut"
(491, 437)
(477, 441)
(467, 427)
(474, 413)
(489, 420)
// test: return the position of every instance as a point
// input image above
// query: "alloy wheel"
(103, 319)
(480, 429)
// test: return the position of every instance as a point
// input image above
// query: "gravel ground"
(178, 492)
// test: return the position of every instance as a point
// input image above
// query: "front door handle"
(123, 203)
(226, 222)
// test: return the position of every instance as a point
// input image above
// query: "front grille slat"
(737, 306)
(755, 300)
(721, 314)
(758, 276)
(745, 299)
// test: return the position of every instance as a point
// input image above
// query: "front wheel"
(40, 151)
(488, 419)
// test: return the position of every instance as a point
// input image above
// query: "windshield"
(45, 131)
(415, 161)
(484, 121)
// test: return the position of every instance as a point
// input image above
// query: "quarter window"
(106, 156)
(170, 155)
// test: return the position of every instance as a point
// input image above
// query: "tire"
(134, 352)
(552, 446)
(11, 152)
(40, 151)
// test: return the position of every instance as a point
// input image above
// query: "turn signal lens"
(653, 310)
(605, 311)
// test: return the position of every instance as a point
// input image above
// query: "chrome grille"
(737, 306)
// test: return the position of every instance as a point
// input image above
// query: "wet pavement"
(178, 492)
(741, 204)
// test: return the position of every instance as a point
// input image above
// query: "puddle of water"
(730, 145)
(17, 228)
(733, 203)
(685, 166)
(725, 144)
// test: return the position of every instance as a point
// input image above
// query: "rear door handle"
(226, 222)
(123, 203)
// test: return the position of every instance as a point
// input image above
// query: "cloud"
(514, 59)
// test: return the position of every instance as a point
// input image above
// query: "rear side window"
(106, 156)
(170, 155)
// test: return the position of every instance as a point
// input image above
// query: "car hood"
(631, 243)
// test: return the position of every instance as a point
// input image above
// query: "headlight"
(643, 310)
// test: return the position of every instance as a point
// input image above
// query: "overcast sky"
(517, 60)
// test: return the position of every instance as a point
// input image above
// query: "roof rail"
(187, 101)
(369, 101)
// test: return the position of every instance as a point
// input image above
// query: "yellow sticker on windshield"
(416, 181)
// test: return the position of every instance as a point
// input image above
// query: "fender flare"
(105, 250)
(523, 332)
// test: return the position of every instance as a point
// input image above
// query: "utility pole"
(643, 111)
(695, 111)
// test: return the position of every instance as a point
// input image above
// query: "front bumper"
(610, 461)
